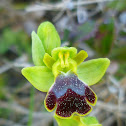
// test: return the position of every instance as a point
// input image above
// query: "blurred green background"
(98, 27)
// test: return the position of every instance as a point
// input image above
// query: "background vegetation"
(97, 26)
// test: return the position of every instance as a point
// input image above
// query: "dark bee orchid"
(61, 72)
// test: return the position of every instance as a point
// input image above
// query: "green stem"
(31, 107)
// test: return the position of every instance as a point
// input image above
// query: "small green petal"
(49, 36)
(90, 121)
(92, 71)
(48, 60)
(39, 76)
(37, 50)
(72, 51)
(80, 57)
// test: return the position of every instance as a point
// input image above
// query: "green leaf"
(49, 36)
(119, 54)
(38, 50)
(4, 46)
(92, 71)
(90, 121)
(105, 37)
(119, 5)
(39, 76)
(86, 30)
(74, 121)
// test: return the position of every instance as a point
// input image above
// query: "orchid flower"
(61, 72)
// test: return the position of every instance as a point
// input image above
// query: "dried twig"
(19, 62)
(61, 5)
(6, 122)
(109, 121)
(110, 107)
(22, 110)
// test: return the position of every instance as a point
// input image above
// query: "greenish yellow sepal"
(38, 50)
(49, 36)
(77, 121)
(72, 52)
(80, 57)
(90, 121)
(48, 60)
(74, 121)
(92, 71)
(39, 76)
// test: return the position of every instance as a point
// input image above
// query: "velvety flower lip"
(70, 95)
